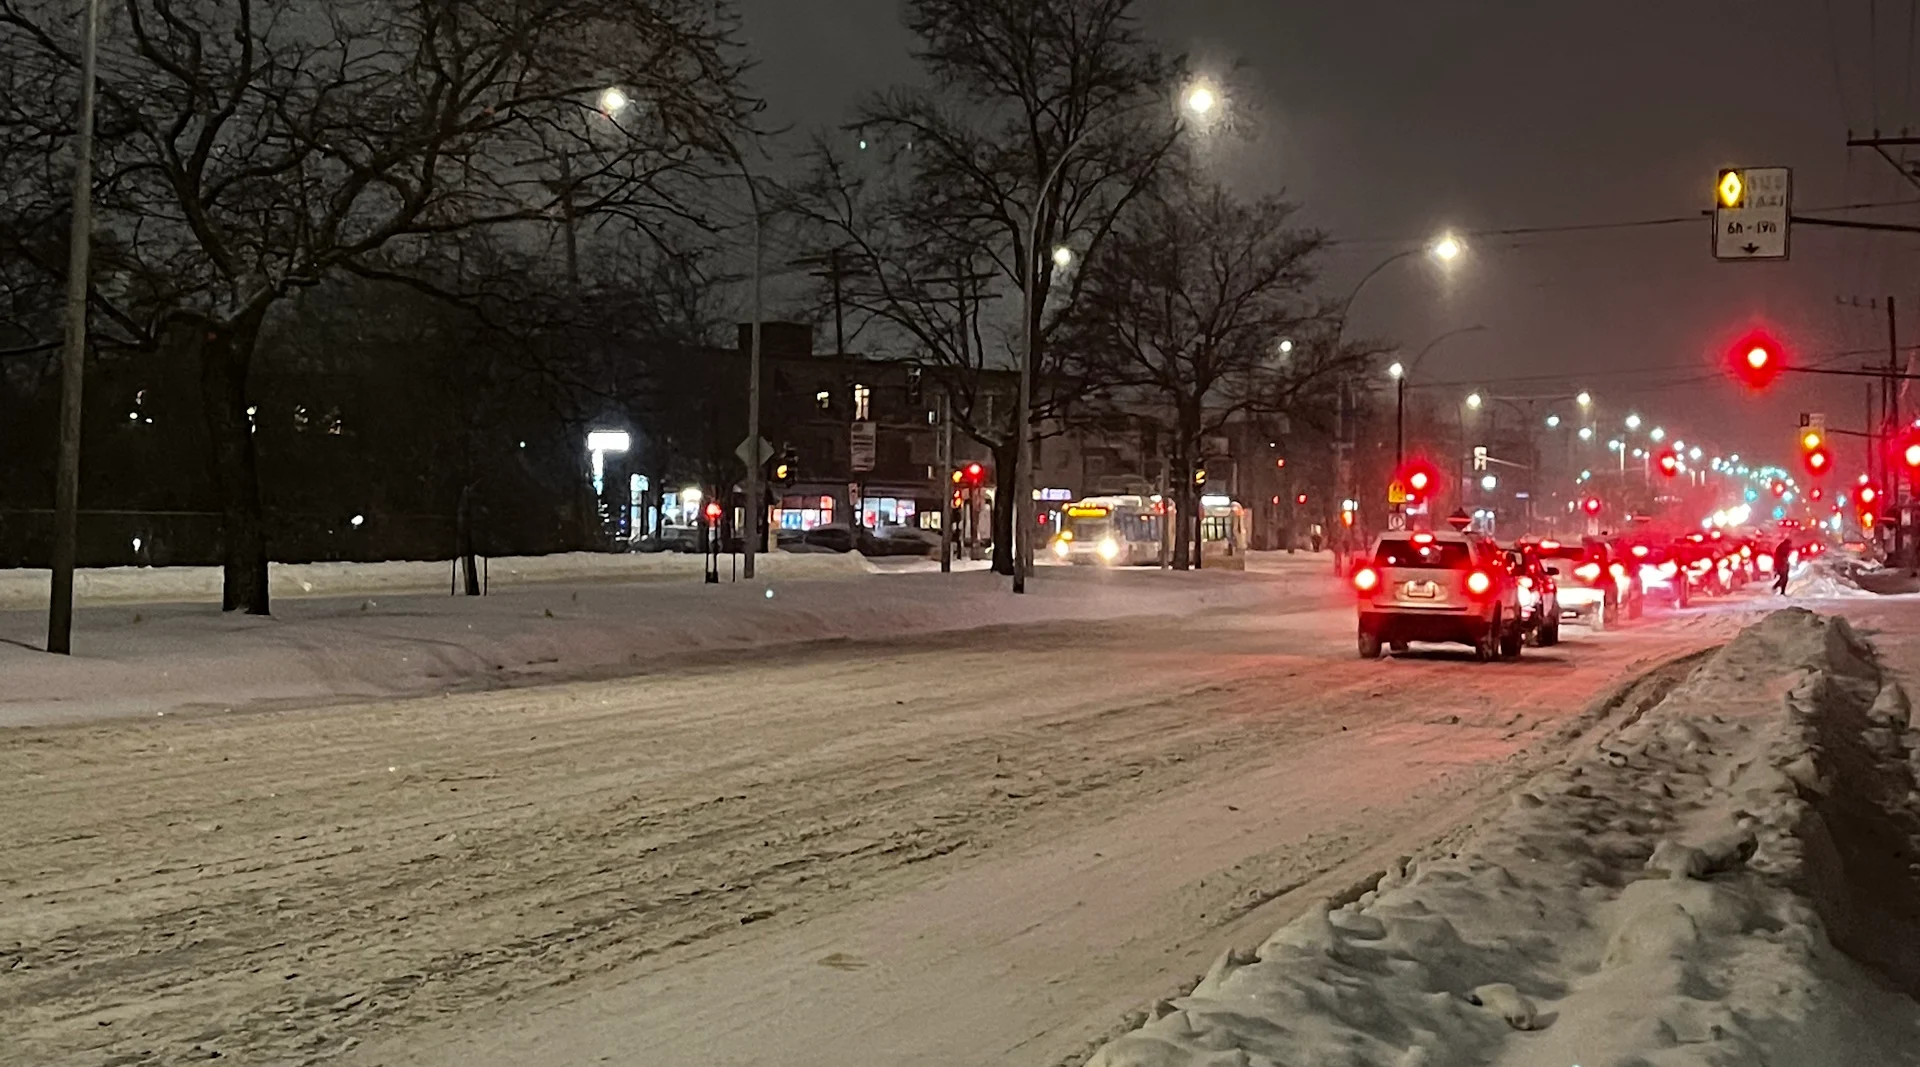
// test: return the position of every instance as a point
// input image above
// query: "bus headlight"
(1109, 549)
(1062, 548)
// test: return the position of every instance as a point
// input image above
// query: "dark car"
(1539, 593)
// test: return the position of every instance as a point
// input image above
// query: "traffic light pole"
(948, 513)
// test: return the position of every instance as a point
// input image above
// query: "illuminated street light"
(1286, 347)
(1658, 434)
(1553, 422)
(1447, 248)
(1694, 454)
(1489, 483)
(1586, 433)
(1474, 401)
(1396, 371)
(1633, 422)
(1616, 445)
(1585, 399)
(1202, 100)
(613, 101)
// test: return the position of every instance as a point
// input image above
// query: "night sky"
(1389, 121)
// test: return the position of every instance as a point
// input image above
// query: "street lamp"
(1586, 433)
(1585, 399)
(1474, 401)
(613, 101)
(1633, 422)
(1285, 346)
(1199, 102)
(1658, 434)
(1447, 248)
(1553, 422)
(1400, 375)
(1063, 257)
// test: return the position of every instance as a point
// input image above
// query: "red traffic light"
(1819, 460)
(1301, 499)
(1867, 494)
(1779, 488)
(713, 511)
(1668, 462)
(973, 475)
(1912, 454)
(1756, 359)
(1591, 505)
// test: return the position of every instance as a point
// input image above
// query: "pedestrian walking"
(1782, 565)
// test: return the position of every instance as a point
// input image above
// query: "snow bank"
(1671, 895)
(158, 585)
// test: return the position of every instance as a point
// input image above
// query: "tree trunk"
(226, 356)
(1003, 493)
(1183, 501)
(463, 541)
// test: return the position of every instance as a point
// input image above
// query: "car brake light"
(1423, 539)
(1549, 545)
(1668, 570)
(1765, 560)
(1617, 570)
(1478, 583)
(1639, 552)
(1746, 552)
(1366, 579)
(1587, 572)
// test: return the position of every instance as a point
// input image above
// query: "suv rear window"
(1434, 555)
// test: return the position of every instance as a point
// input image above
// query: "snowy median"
(158, 585)
(147, 658)
(1672, 895)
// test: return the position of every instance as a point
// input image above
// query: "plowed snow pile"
(1679, 893)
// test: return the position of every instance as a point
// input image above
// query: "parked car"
(670, 539)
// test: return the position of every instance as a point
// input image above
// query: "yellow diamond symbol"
(1731, 189)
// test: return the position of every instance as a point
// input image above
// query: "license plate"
(1422, 590)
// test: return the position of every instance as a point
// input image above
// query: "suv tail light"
(1587, 572)
(1478, 583)
(1366, 579)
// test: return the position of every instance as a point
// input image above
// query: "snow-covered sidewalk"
(148, 658)
(1671, 895)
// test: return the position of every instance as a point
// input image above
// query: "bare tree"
(931, 198)
(1197, 314)
(249, 149)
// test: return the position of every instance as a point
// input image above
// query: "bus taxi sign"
(1087, 511)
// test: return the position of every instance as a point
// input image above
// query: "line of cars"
(1462, 587)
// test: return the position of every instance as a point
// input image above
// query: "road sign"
(1396, 492)
(1752, 209)
(864, 441)
(1396, 520)
(745, 451)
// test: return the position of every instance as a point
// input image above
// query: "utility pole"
(73, 357)
(835, 271)
(947, 511)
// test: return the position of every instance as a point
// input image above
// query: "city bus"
(1112, 531)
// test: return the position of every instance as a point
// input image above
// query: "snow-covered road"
(949, 848)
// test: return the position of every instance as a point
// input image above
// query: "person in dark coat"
(1782, 565)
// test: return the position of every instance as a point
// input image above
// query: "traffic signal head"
(1668, 462)
(1868, 494)
(1756, 359)
(1819, 460)
(713, 511)
(1301, 499)
(1810, 439)
(1816, 493)
(1779, 488)
(1591, 505)
(1911, 454)
(972, 476)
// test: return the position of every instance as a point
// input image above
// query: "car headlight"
(1109, 549)
(1062, 548)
